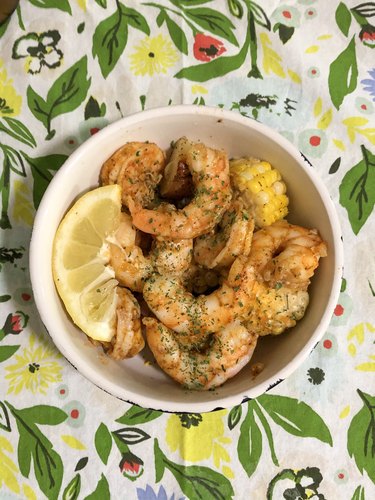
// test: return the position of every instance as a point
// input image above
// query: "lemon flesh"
(80, 256)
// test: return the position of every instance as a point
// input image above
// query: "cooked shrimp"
(137, 167)
(198, 279)
(126, 234)
(194, 318)
(231, 238)
(274, 311)
(286, 254)
(284, 257)
(171, 257)
(225, 355)
(128, 340)
(177, 180)
(131, 267)
(212, 195)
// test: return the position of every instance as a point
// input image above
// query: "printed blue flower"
(149, 494)
(369, 83)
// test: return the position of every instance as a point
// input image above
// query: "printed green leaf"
(73, 489)
(177, 35)
(361, 436)
(5, 298)
(17, 130)
(295, 417)
(234, 416)
(130, 436)
(366, 9)
(53, 4)
(235, 8)
(37, 106)
(335, 166)
(103, 442)
(343, 74)
(217, 67)
(343, 18)
(24, 452)
(161, 17)
(260, 17)
(249, 446)
(4, 189)
(268, 432)
(135, 19)
(6, 352)
(195, 481)
(101, 491)
(188, 3)
(109, 41)
(4, 418)
(3, 26)
(65, 95)
(137, 415)
(34, 447)
(92, 109)
(121, 446)
(285, 32)
(42, 169)
(81, 464)
(69, 90)
(357, 190)
(359, 493)
(214, 22)
(43, 415)
(19, 16)
(102, 3)
(14, 160)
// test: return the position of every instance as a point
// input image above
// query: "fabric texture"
(307, 69)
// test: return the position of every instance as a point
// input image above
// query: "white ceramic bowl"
(310, 206)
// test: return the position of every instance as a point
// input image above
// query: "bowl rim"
(221, 401)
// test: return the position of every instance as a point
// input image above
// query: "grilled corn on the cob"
(262, 188)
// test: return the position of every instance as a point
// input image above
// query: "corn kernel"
(262, 188)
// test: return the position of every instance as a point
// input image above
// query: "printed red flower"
(15, 323)
(131, 466)
(367, 36)
(207, 48)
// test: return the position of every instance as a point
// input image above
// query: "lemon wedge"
(80, 256)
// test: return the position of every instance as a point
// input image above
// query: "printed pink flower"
(367, 36)
(131, 466)
(206, 47)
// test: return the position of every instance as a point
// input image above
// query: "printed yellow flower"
(198, 436)
(153, 55)
(199, 89)
(8, 469)
(34, 369)
(29, 493)
(10, 101)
